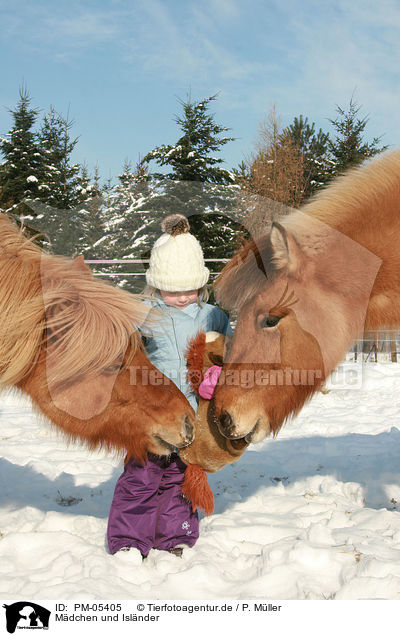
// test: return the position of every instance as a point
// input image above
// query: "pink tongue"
(206, 388)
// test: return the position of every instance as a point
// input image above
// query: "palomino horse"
(304, 293)
(210, 450)
(68, 340)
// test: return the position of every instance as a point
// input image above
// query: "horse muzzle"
(187, 432)
(168, 443)
(230, 428)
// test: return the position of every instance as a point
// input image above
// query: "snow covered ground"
(313, 514)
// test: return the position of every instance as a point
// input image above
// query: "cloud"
(304, 56)
(87, 26)
(194, 44)
(330, 50)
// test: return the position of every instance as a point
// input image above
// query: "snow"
(31, 179)
(100, 241)
(313, 514)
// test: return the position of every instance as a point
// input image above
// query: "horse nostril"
(226, 422)
(189, 429)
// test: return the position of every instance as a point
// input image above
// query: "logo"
(26, 615)
(186, 526)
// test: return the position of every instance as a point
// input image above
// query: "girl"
(148, 509)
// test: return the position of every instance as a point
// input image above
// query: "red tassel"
(197, 490)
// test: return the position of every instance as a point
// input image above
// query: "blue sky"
(119, 67)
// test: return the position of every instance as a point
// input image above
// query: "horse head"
(210, 450)
(70, 341)
(99, 382)
(301, 294)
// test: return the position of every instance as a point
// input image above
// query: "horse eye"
(269, 321)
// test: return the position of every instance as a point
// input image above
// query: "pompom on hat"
(176, 260)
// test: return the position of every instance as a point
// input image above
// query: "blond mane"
(55, 301)
(371, 191)
(361, 191)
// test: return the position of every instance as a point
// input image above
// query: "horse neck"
(371, 225)
(363, 204)
(338, 275)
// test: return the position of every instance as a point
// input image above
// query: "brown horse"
(210, 450)
(304, 293)
(68, 340)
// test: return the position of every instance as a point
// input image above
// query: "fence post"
(393, 348)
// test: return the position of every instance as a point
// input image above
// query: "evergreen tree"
(49, 139)
(107, 191)
(97, 188)
(190, 158)
(21, 171)
(90, 213)
(290, 165)
(197, 185)
(74, 230)
(141, 173)
(131, 222)
(59, 176)
(69, 171)
(37, 179)
(349, 148)
(84, 189)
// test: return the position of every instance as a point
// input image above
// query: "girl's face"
(179, 299)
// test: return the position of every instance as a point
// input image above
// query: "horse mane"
(53, 301)
(365, 189)
(343, 205)
(195, 360)
(244, 275)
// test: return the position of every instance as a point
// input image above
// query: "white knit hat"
(176, 260)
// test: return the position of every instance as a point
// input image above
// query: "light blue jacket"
(167, 344)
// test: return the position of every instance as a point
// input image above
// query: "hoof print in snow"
(279, 480)
(67, 501)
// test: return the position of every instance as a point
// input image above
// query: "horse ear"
(216, 358)
(214, 351)
(79, 263)
(285, 249)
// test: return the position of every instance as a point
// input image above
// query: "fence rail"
(376, 346)
(147, 260)
(135, 261)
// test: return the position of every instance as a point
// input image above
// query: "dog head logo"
(26, 615)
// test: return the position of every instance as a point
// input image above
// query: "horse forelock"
(87, 320)
(195, 359)
(245, 275)
(90, 324)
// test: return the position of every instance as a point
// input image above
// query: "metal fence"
(376, 346)
(138, 261)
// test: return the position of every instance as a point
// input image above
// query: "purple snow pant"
(148, 509)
